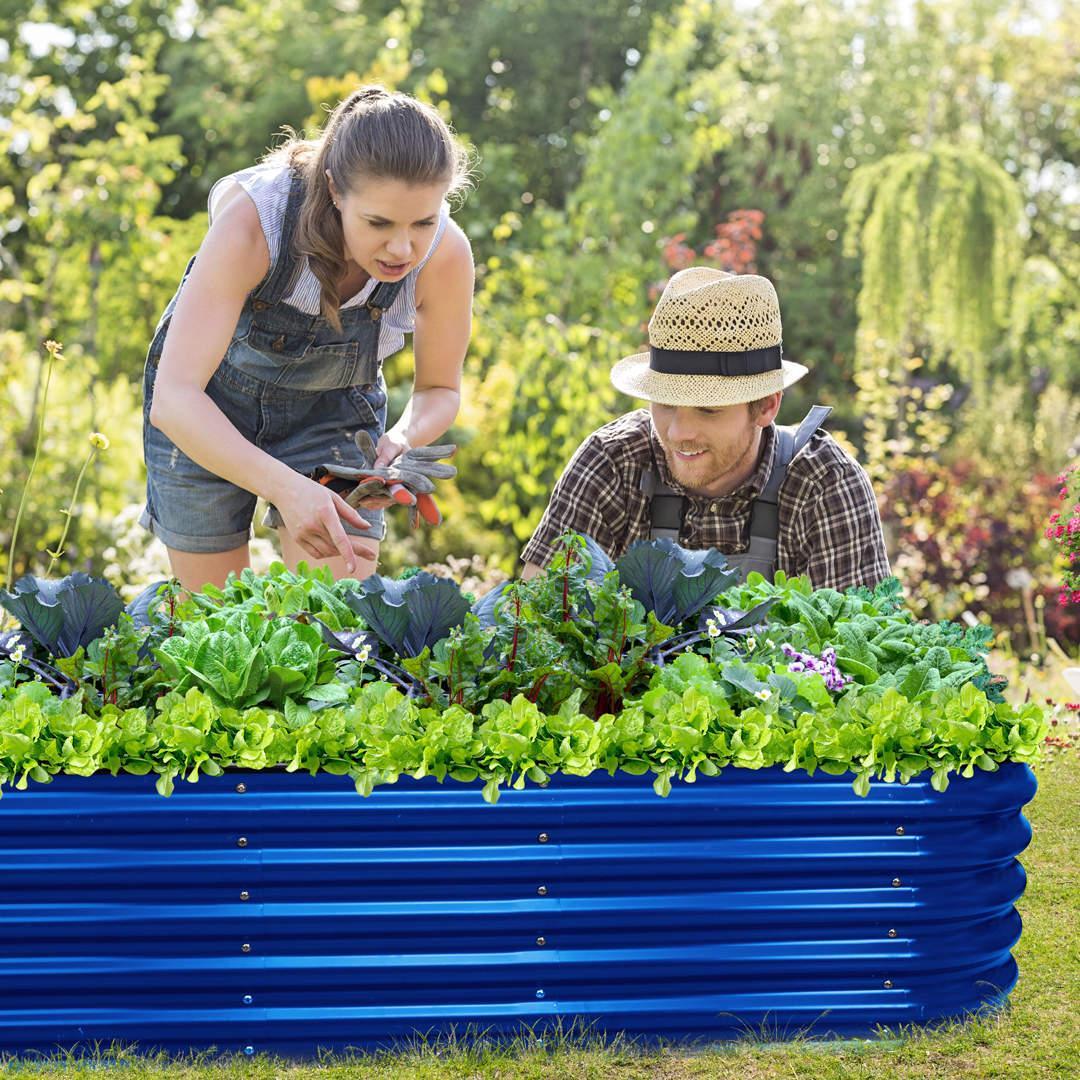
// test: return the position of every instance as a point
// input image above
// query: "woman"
(268, 360)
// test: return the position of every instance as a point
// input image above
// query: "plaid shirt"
(830, 528)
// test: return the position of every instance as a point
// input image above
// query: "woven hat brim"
(634, 377)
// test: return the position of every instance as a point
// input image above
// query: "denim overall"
(291, 384)
(668, 507)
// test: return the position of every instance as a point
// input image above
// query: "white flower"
(17, 654)
(363, 654)
(769, 642)
(712, 628)
(751, 644)
(763, 695)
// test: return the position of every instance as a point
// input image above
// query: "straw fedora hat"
(714, 339)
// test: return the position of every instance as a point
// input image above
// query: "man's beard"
(712, 467)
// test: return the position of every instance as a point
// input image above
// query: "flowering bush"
(1064, 532)
(963, 541)
(734, 249)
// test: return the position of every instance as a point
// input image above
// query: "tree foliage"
(940, 232)
(909, 169)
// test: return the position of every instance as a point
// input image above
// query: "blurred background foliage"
(906, 173)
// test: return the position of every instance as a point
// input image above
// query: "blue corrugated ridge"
(297, 915)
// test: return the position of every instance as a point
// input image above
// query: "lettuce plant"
(242, 659)
(280, 591)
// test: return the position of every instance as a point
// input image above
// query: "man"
(705, 464)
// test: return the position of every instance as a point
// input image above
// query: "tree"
(940, 233)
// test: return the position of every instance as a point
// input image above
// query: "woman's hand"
(389, 448)
(313, 515)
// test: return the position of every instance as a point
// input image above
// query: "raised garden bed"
(835, 849)
(266, 911)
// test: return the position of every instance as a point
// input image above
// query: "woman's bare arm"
(232, 260)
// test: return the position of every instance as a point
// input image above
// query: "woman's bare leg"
(196, 569)
(292, 554)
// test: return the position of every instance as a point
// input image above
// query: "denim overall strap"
(667, 508)
(765, 515)
(275, 286)
(281, 277)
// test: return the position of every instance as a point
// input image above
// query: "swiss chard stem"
(566, 585)
(534, 693)
(517, 629)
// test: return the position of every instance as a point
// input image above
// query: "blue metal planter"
(266, 911)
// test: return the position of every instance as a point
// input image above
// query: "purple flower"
(824, 665)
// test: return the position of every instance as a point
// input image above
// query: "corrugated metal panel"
(297, 915)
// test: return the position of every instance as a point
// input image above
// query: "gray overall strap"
(668, 508)
(765, 513)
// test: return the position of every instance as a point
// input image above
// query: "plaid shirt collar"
(746, 492)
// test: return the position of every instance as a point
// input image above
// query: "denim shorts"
(191, 509)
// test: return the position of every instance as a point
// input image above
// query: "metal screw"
(242, 842)
(888, 984)
(892, 933)
(539, 993)
(899, 830)
(541, 941)
(241, 788)
(245, 895)
(542, 891)
(543, 838)
(249, 1050)
(896, 883)
(245, 947)
(248, 999)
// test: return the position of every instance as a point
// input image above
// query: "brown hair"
(377, 133)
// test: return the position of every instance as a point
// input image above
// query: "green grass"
(1035, 1037)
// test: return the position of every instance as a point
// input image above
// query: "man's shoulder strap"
(765, 517)
(666, 507)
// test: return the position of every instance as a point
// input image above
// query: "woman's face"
(388, 224)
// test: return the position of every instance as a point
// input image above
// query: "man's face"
(712, 450)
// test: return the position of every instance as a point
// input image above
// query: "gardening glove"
(409, 480)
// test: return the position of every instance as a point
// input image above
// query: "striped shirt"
(830, 528)
(267, 185)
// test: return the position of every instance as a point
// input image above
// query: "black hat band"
(696, 362)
